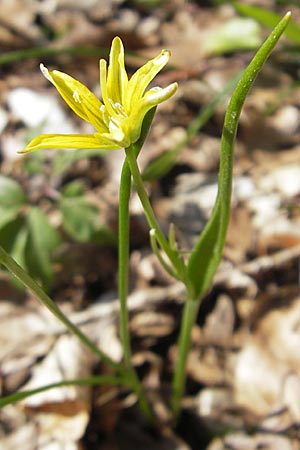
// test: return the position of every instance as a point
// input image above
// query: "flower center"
(114, 121)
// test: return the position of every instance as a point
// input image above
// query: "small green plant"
(26, 232)
(28, 235)
(123, 120)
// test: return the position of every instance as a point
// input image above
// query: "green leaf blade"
(42, 240)
(268, 18)
(160, 166)
(207, 253)
(79, 217)
(11, 193)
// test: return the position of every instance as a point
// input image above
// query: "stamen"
(114, 124)
(116, 132)
(118, 109)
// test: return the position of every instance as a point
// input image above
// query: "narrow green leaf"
(268, 18)
(11, 193)
(43, 52)
(19, 245)
(160, 166)
(16, 270)
(42, 240)
(12, 200)
(207, 253)
(13, 237)
(79, 217)
(89, 381)
(18, 252)
(104, 236)
(9, 231)
(73, 189)
(8, 215)
(63, 160)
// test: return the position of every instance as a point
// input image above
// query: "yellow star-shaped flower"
(118, 118)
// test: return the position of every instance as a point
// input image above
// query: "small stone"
(287, 120)
(285, 180)
(243, 188)
(3, 119)
(265, 208)
(38, 110)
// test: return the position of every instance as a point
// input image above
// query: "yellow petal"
(142, 77)
(152, 98)
(69, 141)
(117, 79)
(103, 83)
(158, 95)
(80, 99)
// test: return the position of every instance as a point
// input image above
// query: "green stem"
(27, 281)
(144, 405)
(123, 239)
(173, 255)
(125, 187)
(190, 311)
(124, 196)
(123, 247)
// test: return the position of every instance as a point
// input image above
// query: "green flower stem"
(123, 248)
(190, 311)
(124, 239)
(144, 405)
(125, 189)
(207, 252)
(124, 196)
(27, 281)
(173, 255)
